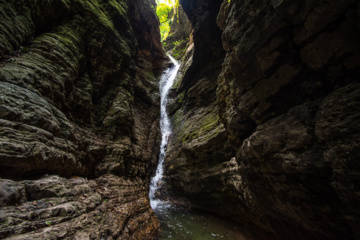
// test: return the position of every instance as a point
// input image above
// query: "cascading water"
(166, 83)
(178, 223)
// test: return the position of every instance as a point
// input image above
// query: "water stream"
(166, 82)
(179, 223)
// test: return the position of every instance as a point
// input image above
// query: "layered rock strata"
(78, 118)
(271, 139)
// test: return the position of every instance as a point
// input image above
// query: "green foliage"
(178, 42)
(164, 11)
(177, 5)
(179, 48)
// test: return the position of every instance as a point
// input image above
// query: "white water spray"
(166, 82)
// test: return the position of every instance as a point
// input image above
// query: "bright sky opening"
(167, 2)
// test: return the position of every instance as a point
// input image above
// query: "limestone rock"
(54, 207)
(283, 154)
(78, 100)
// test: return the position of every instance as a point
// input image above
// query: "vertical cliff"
(78, 118)
(272, 138)
(197, 126)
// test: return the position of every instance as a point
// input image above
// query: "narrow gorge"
(263, 121)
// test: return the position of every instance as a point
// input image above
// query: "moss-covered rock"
(79, 97)
(282, 157)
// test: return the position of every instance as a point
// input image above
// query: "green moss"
(177, 82)
(95, 7)
(117, 5)
(17, 19)
(207, 124)
(181, 97)
(120, 112)
(178, 119)
(64, 39)
(15, 28)
(46, 3)
(149, 76)
(63, 35)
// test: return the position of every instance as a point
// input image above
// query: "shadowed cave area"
(250, 131)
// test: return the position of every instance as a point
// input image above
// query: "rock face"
(54, 207)
(78, 102)
(197, 126)
(271, 139)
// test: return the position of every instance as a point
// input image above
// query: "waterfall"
(166, 82)
(177, 222)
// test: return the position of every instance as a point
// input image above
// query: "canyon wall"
(79, 109)
(266, 131)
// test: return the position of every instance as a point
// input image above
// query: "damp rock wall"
(267, 132)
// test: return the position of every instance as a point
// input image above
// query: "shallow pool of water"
(180, 224)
